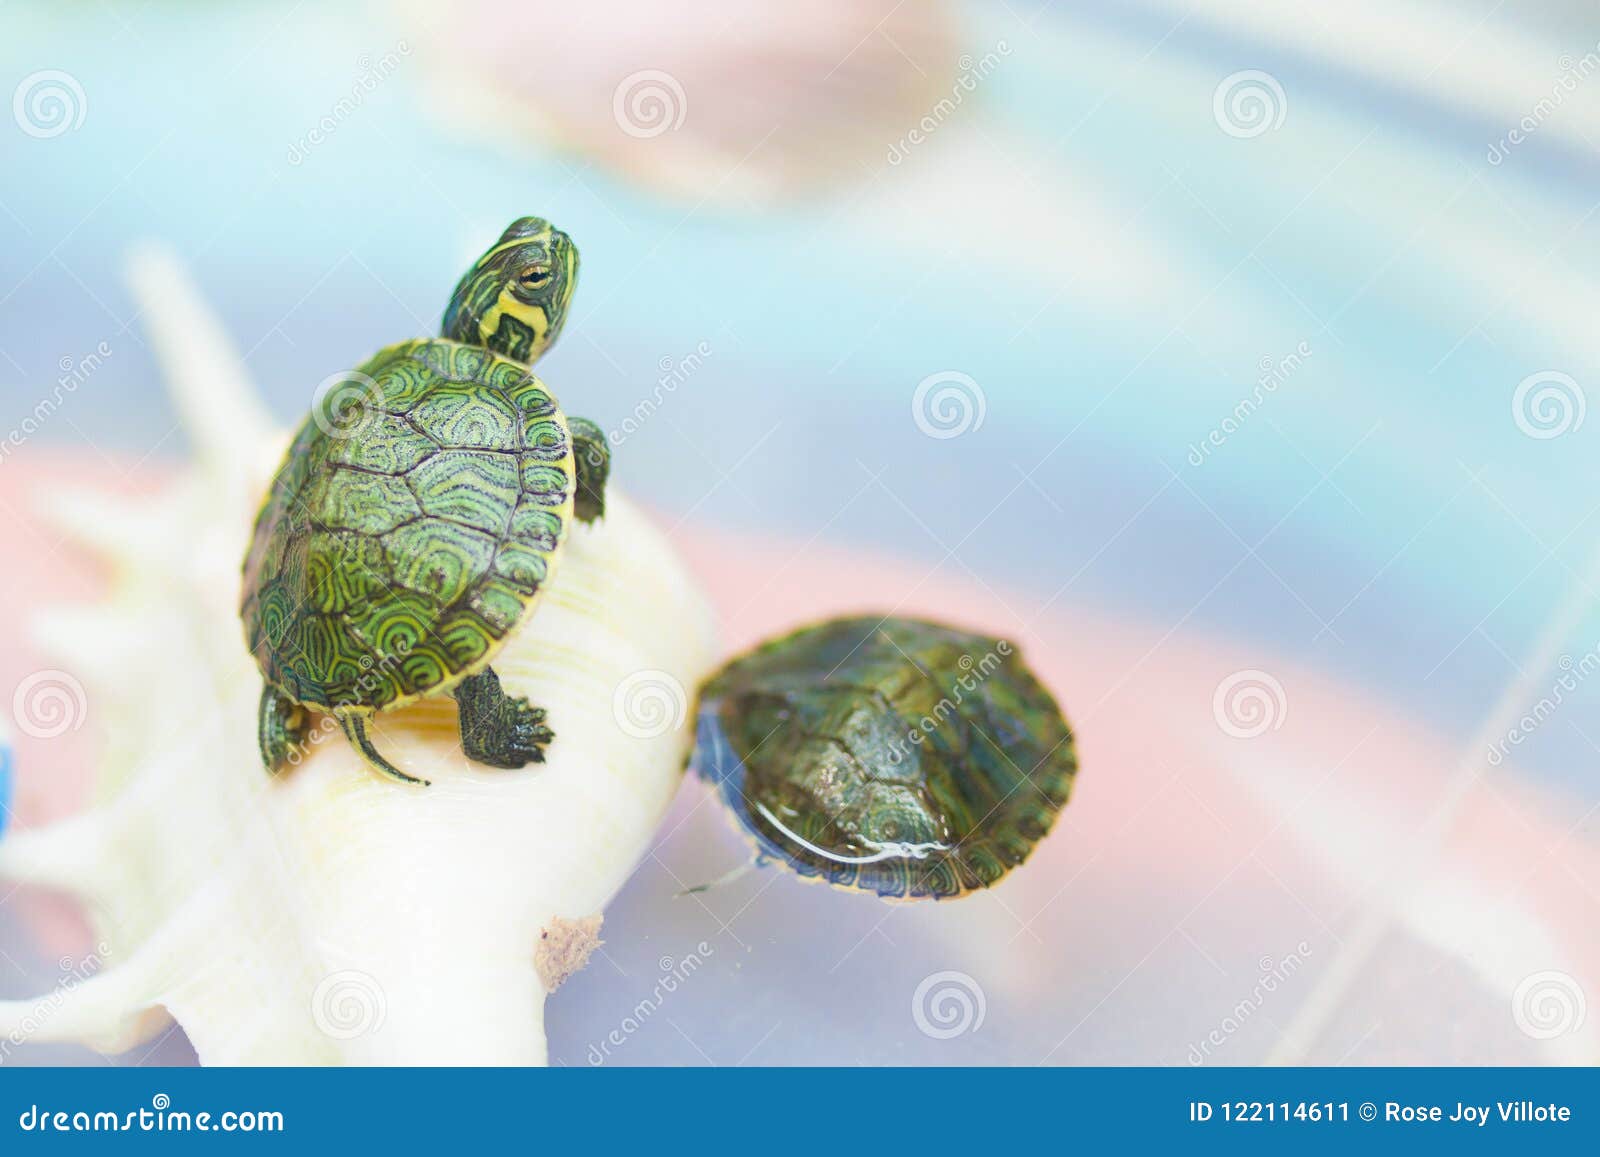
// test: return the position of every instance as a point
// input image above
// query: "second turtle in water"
(890, 755)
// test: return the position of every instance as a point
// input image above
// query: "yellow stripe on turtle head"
(514, 299)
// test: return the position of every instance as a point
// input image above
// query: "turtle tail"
(354, 725)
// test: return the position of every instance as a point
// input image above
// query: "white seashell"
(327, 915)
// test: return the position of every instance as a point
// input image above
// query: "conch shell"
(328, 916)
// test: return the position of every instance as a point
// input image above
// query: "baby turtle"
(889, 755)
(419, 513)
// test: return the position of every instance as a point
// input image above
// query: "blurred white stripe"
(1487, 65)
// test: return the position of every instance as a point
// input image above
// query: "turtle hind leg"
(592, 455)
(281, 729)
(498, 729)
(354, 725)
(727, 877)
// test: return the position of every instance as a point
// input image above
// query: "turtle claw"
(497, 729)
(526, 735)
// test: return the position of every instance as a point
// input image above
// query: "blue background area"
(1406, 534)
(1381, 518)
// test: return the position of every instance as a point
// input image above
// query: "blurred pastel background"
(1234, 357)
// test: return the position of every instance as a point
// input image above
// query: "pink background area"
(1185, 857)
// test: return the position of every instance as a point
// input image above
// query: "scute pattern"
(472, 487)
(895, 756)
(395, 558)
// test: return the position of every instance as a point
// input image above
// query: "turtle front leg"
(498, 729)
(593, 456)
(281, 728)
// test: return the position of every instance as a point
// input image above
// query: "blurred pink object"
(44, 571)
(717, 99)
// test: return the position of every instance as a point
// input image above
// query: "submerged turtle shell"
(410, 527)
(891, 755)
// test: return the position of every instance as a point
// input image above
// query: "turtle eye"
(534, 277)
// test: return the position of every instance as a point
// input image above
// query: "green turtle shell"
(890, 755)
(416, 517)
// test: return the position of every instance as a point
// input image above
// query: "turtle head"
(514, 298)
